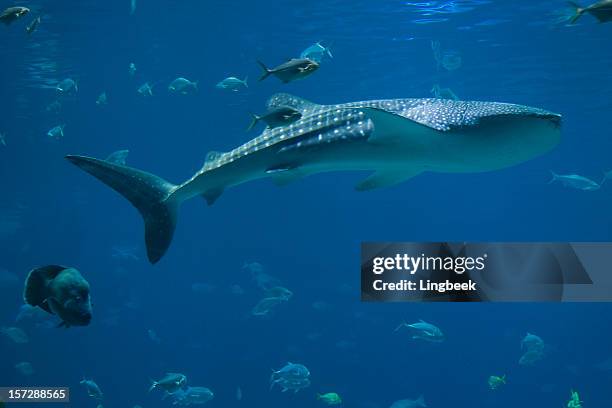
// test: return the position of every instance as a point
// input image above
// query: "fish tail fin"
(328, 50)
(153, 385)
(420, 402)
(552, 180)
(578, 11)
(195, 85)
(245, 81)
(318, 396)
(606, 176)
(151, 195)
(254, 120)
(266, 70)
(402, 324)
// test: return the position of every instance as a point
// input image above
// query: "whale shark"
(395, 139)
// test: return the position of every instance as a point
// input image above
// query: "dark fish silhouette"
(13, 13)
(62, 291)
(280, 116)
(602, 11)
(33, 25)
(295, 68)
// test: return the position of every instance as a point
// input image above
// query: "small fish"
(132, 69)
(192, 396)
(330, 398)
(574, 401)
(15, 334)
(102, 99)
(183, 86)
(13, 13)
(54, 107)
(238, 394)
(294, 69)
(33, 25)
(601, 10)
(2, 139)
(93, 390)
(24, 368)
(276, 117)
(232, 84)
(532, 341)
(575, 181)
(132, 7)
(171, 383)
(424, 331)
(443, 93)
(279, 292)
(266, 305)
(119, 157)
(67, 86)
(408, 403)
(495, 381)
(316, 52)
(153, 336)
(145, 89)
(57, 132)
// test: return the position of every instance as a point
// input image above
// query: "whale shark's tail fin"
(147, 192)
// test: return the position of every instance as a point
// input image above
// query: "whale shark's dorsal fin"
(284, 99)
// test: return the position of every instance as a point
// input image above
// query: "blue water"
(306, 234)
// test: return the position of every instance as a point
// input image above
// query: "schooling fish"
(601, 10)
(395, 139)
(232, 84)
(33, 25)
(316, 52)
(183, 86)
(575, 181)
(294, 69)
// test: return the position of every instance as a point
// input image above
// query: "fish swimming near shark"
(601, 10)
(395, 139)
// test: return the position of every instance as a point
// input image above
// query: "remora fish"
(292, 70)
(396, 139)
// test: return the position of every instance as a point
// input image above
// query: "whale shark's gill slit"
(346, 130)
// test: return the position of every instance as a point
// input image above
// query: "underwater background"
(191, 313)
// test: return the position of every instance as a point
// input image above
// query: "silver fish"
(575, 181)
(33, 25)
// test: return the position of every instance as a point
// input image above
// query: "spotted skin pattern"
(320, 123)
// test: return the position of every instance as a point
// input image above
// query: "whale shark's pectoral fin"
(212, 194)
(386, 178)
